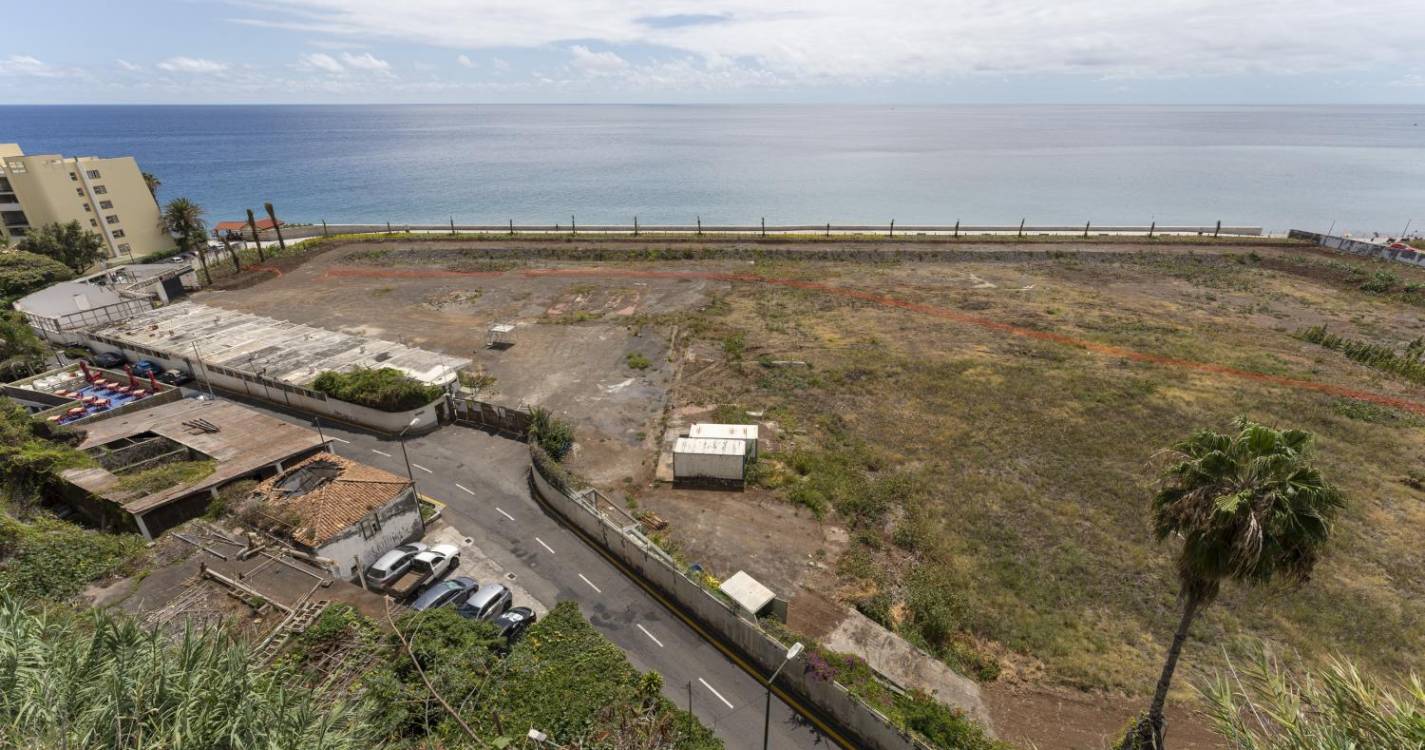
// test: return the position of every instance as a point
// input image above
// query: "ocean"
(1361, 168)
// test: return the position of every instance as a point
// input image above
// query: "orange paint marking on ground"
(268, 269)
(402, 273)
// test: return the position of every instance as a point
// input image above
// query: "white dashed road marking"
(381, 453)
(502, 512)
(463, 487)
(599, 590)
(650, 635)
(542, 544)
(422, 468)
(714, 692)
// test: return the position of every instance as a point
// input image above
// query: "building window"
(118, 233)
(370, 527)
(93, 174)
(93, 222)
(124, 248)
(17, 167)
(79, 192)
(86, 208)
(111, 219)
(106, 204)
(73, 177)
(100, 190)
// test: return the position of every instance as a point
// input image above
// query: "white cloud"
(126, 65)
(365, 61)
(320, 61)
(25, 65)
(867, 40)
(1409, 81)
(501, 64)
(465, 61)
(192, 65)
(597, 63)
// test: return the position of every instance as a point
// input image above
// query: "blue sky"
(1050, 51)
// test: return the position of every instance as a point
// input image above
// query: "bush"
(385, 388)
(637, 361)
(550, 433)
(22, 273)
(53, 559)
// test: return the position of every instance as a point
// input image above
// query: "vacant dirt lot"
(972, 440)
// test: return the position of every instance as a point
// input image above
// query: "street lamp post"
(767, 717)
(406, 456)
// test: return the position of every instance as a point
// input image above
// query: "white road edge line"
(422, 468)
(714, 692)
(596, 588)
(463, 487)
(339, 440)
(502, 512)
(650, 635)
(383, 453)
(542, 544)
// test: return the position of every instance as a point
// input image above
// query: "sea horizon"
(1306, 166)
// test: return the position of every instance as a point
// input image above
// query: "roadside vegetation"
(1408, 363)
(561, 678)
(383, 388)
(70, 244)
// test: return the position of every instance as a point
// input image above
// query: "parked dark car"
(175, 377)
(489, 602)
(391, 565)
(145, 367)
(109, 360)
(512, 624)
(447, 592)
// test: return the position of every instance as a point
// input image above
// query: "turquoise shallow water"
(1278, 167)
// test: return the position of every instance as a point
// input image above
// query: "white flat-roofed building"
(748, 592)
(744, 432)
(706, 458)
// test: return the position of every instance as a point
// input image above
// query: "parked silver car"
(450, 591)
(391, 565)
(489, 602)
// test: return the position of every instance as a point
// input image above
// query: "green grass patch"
(47, 558)
(164, 476)
(637, 361)
(384, 388)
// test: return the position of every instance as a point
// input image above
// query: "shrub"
(637, 361)
(550, 433)
(22, 273)
(53, 559)
(385, 388)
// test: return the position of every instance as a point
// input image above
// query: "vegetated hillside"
(996, 484)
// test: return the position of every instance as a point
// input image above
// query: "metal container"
(705, 458)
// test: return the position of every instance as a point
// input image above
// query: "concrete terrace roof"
(60, 299)
(292, 353)
(246, 440)
(336, 504)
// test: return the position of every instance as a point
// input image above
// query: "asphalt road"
(482, 480)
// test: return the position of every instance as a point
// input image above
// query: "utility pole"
(276, 227)
(767, 717)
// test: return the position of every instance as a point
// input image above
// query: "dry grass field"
(968, 447)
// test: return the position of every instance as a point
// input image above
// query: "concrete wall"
(1363, 249)
(400, 522)
(485, 415)
(870, 728)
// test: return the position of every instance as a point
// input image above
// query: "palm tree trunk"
(282, 244)
(203, 258)
(252, 223)
(227, 246)
(1147, 734)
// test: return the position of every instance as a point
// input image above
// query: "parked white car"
(391, 565)
(426, 567)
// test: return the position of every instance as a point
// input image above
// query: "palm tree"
(153, 184)
(256, 239)
(184, 220)
(1250, 507)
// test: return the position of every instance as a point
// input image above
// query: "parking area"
(477, 565)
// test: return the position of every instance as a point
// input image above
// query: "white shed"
(500, 336)
(744, 432)
(748, 592)
(704, 458)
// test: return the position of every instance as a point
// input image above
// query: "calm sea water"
(1277, 167)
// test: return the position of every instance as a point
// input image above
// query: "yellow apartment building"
(106, 196)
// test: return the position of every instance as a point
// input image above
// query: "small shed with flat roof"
(748, 592)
